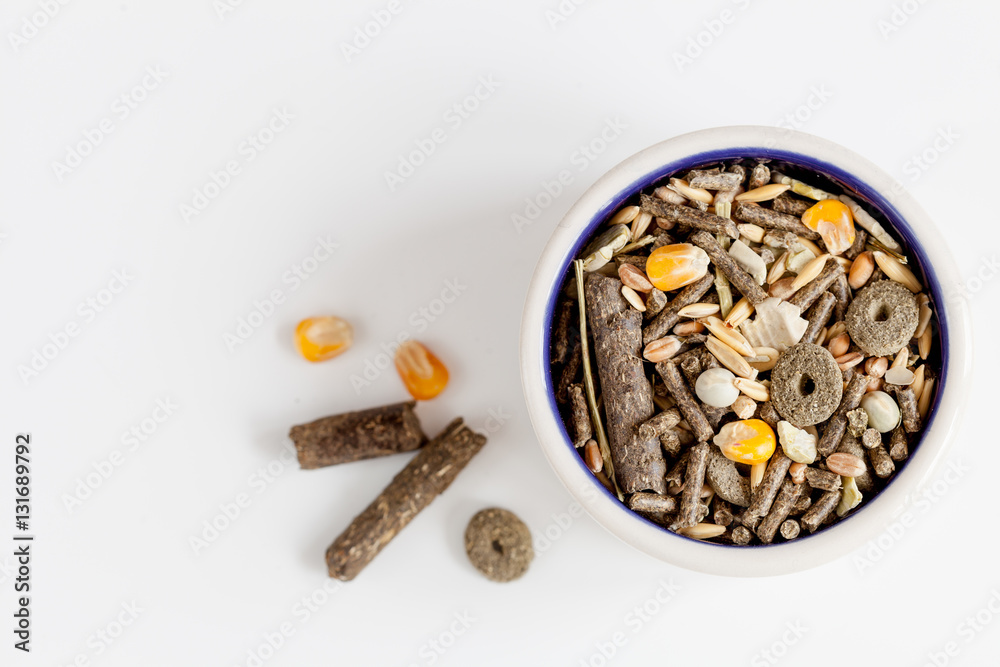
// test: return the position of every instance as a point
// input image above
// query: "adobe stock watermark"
(32, 24)
(772, 655)
(966, 291)
(915, 506)
(899, 16)
(966, 632)
(246, 152)
(419, 321)
(224, 8)
(41, 357)
(920, 162)
(712, 29)
(581, 158)
(366, 33)
(301, 612)
(292, 279)
(105, 636)
(634, 621)
(230, 511)
(562, 12)
(799, 117)
(120, 109)
(454, 117)
(563, 522)
(132, 440)
(434, 648)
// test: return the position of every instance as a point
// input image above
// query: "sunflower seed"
(633, 298)
(702, 531)
(902, 358)
(764, 358)
(764, 192)
(917, 386)
(925, 319)
(894, 270)
(739, 313)
(924, 343)
(696, 310)
(729, 336)
(778, 269)
(669, 194)
(694, 194)
(924, 405)
(753, 389)
(624, 216)
(809, 272)
(729, 358)
(640, 224)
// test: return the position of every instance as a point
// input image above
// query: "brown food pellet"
(354, 436)
(808, 293)
(820, 510)
(881, 462)
(822, 479)
(427, 475)
(726, 480)
(882, 318)
(851, 445)
(790, 529)
(499, 544)
(899, 448)
(857, 422)
(806, 385)
(786, 203)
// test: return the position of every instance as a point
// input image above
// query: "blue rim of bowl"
(868, 195)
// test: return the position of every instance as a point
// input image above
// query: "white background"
(881, 81)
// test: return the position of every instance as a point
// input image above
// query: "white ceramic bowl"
(908, 221)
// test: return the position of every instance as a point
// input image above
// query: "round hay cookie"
(499, 544)
(883, 318)
(806, 385)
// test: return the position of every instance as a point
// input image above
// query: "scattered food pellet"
(322, 338)
(423, 374)
(424, 478)
(354, 436)
(499, 544)
(747, 362)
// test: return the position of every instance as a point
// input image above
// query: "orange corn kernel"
(322, 338)
(423, 374)
(748, 441)
(671, 267)
(834, 222)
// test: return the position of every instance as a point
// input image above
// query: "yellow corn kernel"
(834, 222)
(671, 267)
(422, 373)
(748, 441)
(322, 338)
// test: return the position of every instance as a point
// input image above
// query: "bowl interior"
(809, 170)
